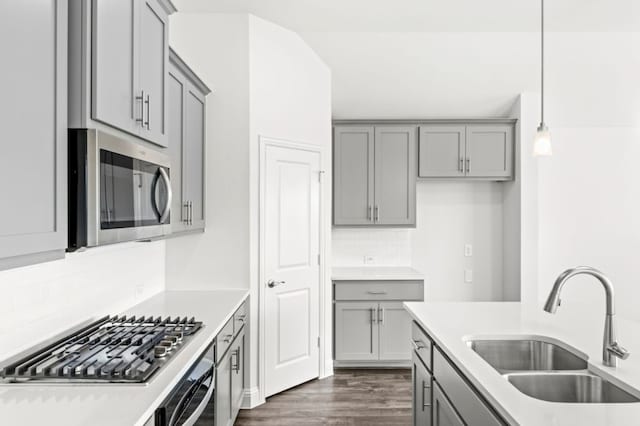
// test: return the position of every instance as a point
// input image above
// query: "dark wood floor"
(350, 397)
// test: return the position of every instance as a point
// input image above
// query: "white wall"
(216, 48)
(589, 209)
(266, 82)
(449, 215)
(42, 300)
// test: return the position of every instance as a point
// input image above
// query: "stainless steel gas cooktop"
(115, 349)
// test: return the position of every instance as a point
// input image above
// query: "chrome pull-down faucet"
(611, 350)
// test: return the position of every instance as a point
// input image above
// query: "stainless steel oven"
(191, 401)
(118, 190)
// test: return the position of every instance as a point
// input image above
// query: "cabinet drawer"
(467, 402)
(379, 290)
(422, 345)
(224, 339)
(240, 318)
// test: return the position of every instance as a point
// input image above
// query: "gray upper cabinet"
(479, 151)
(118, 66)
(187, 118)
(33, 114)
(374, 175)
(153, 49)
(395, 176)
(353, 176)
(442, 151)
(489, 151)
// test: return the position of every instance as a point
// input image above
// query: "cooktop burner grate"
(115, 349)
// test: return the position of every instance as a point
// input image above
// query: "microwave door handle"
(183, 403)
(167, 207)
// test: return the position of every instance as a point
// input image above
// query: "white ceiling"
(432, 15)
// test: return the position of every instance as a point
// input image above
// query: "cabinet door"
(152, 55)
(441, 151)
(421, 394)
(237, 375)
(113, 101)
(395, 176)
(176, 99)
(356, 331)
(394, 324)
(224, 415)
(489, 151)
(33, 117)
(443, 412)
(194, 156)
(353, 169)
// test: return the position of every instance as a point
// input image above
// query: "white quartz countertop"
(356, 273)
(451, 324)
(123, 404)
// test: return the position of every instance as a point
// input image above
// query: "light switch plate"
(468, 276)
(468, 250)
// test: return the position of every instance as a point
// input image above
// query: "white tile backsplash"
(386, 247)
(41, 300)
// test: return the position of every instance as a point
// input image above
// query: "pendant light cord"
(542, 60)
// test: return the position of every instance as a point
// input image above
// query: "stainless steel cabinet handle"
(370, 213)
(425, 386)
(376, 214)
(461, 166)
(468, 161)
(185, 216)
(376, 292)
(273, 283)
(190, 212)
(148, 103)
(227, 338)
(372, 311)
(141, 99)
(381, 315)
(235, 367)
(241, 318)
(418, 344)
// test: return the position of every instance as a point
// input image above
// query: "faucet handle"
(618, 351)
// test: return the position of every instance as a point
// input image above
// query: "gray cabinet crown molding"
(179, 63)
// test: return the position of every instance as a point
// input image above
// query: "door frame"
(323, 369)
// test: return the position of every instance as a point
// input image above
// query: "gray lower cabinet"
(443, 412)
(230, 369)
(374, 175)
(33, 165)
(455, 401)
(371, 327)
(187, 119)
(480, 151)
(119, 57)
(422, 391)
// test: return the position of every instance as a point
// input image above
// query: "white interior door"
(291, 248)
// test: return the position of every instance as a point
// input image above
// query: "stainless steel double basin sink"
(544, 370)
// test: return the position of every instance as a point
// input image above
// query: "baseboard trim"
(371, 364)
(251, 399)
(328, 369)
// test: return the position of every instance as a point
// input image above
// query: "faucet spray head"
(552, 303)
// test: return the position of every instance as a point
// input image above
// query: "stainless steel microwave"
(118, 190)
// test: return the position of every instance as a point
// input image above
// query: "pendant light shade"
(542, 140)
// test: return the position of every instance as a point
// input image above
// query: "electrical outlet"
(468, 276)
(369, 260)
(468, 250)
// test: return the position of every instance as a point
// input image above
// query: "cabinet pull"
(370, 213)
(377, 292)
(235, 367)
(190, 212)
(148, 103)
(418, 344)
(373, 315)
(185, 217)
(141, 99)
(376, 214)
(227, 338)
(461, 166)
(468, 161)
(381, 315)
(425, 386)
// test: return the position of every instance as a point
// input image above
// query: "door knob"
(273, 283)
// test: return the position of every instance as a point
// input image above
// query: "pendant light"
(542, 140)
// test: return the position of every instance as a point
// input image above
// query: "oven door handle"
(186, 398)
(167, 208)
